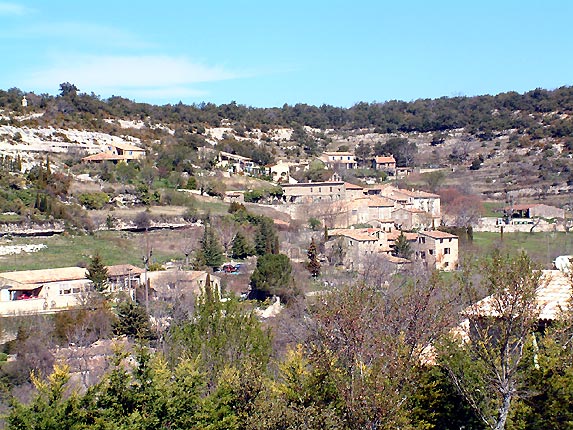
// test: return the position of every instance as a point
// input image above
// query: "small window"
(331, 189)
(422, 254)
(446, 250)
(441, 240)
(446, 264)
(431, 252)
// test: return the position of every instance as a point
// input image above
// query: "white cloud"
(158, 76)
(13, 9)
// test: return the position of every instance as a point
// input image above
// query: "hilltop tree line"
(480, 115)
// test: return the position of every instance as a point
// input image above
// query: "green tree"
(211, 252)
(240, 247)
(313, 264)
(402, 249)
(266, 239)
(272, 277)
(97, 273)
(132, 321)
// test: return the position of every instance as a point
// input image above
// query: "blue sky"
(267, 53)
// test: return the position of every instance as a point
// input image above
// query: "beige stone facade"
(437, 249)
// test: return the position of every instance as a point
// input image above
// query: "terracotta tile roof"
(352, 234)
(375, 201)
(437, 234)
(102, 156)
(123, 270)
(350, 186)
(396, 260)
(126, 147)
(382, 159)
(394, 235)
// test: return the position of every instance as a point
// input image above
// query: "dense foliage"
(480, 115)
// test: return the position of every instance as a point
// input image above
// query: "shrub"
(93, 200)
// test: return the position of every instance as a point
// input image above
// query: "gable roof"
(383, 159)
(437, 234)
(43, 275)
(125, 146)
(102, 156)
(123, 270)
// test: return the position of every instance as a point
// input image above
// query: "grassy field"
(113, 247)
(541, 247)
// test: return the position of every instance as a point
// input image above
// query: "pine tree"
(97, 273)
(266, 240)
(240, 247)
(211, 250)
(313, 264)
(402, 248)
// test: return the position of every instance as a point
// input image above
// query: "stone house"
(339, 160)
(385, 164)
(538, 210)
(437, 249)
(411, 218)
(354, 246)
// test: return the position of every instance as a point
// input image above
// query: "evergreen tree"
(313, 264)
(132, 321)
(240, 248)
(402, 248)
(97, 273)
(266, 240)
(272, 277)
(211, 250)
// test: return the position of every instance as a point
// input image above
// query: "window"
(331, 189)
(446, 250)
(431, 252)
(422, 240)
(422, 254)
(441, 240)
(446, 264)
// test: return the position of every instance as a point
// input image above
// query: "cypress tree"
(313, 264)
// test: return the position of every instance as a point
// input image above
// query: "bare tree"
(369, 340)
(486, 369)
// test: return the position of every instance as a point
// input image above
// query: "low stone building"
(312, 192)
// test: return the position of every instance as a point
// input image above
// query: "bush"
(93, 200)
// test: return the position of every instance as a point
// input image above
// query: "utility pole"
(146, 258)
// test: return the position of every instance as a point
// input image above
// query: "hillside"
(516, 146)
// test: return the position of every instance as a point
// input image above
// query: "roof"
(374, 201)
(312, 184)
(411, 210)
(344, 153)
(394, 235)
(552, 297)
(43, 275)
(382, 159)
(352, 234)
(102, 156)
(126, 146)
(437, 234)
(234, 156)
(350, 186)
(396, 260)
(124, 269)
